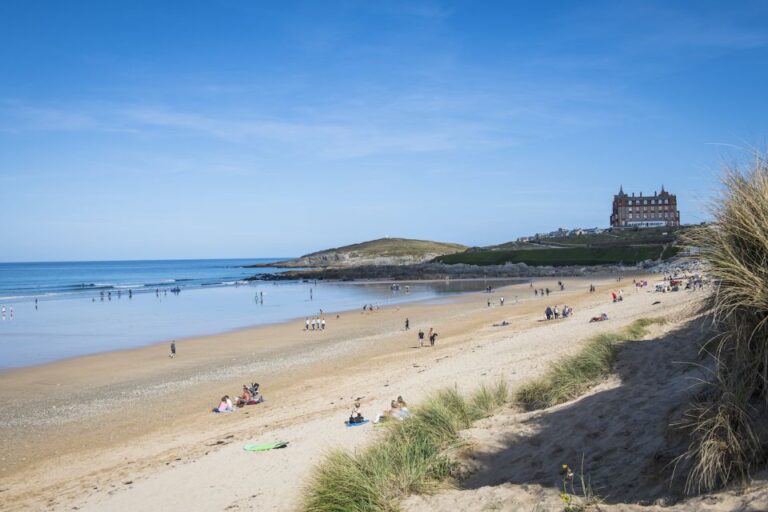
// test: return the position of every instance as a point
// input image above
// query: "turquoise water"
(85, 308)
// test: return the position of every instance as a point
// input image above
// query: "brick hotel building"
(645, 211)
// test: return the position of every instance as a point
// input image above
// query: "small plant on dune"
(413, 456)
(572, 376)
(725, 421)
(572, 500)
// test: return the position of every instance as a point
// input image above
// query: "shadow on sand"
(621, 431)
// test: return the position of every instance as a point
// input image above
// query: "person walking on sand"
(407, 325)
(432, 338)
(322, 324)
(173, 349)
(502, 301)
(421, 338)
(306, 324)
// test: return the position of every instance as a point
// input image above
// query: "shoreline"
(102, 397)
(164, 342)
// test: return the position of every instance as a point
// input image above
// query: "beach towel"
(265, 447)
(348, 424)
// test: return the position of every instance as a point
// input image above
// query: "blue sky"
(238, 128)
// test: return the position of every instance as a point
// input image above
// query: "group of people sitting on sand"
(398, 410)
(249, 396)
(555, 313)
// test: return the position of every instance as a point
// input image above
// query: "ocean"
(52, 311)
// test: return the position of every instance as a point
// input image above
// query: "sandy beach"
(132, 430)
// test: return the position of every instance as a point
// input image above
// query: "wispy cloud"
(419, 121)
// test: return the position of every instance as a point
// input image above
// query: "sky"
(223, 128)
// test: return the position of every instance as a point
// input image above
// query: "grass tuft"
(571, 377)
(411, 457)
(727, 423)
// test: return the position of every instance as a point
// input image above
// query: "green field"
(574, 256)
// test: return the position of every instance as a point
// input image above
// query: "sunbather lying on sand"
(225, 405)
(602, 317)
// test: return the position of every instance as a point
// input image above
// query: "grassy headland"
(572, 256)
(384, 251)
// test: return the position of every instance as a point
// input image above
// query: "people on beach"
(407, 324)
(356, 416)
(388, 414)
(603, 317)
(432, 339)
(173, 349)
(548, 312)
(421, 338)
(225, 405)
(398, 410)
(306, 324)
(501, 301)
(245, 397)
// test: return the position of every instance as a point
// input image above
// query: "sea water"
(90, 307)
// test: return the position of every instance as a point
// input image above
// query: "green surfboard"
(264, 447)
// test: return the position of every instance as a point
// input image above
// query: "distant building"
(645, 211)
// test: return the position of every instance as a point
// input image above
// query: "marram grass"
(411, 457)
(726, 423)
(571, 377)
